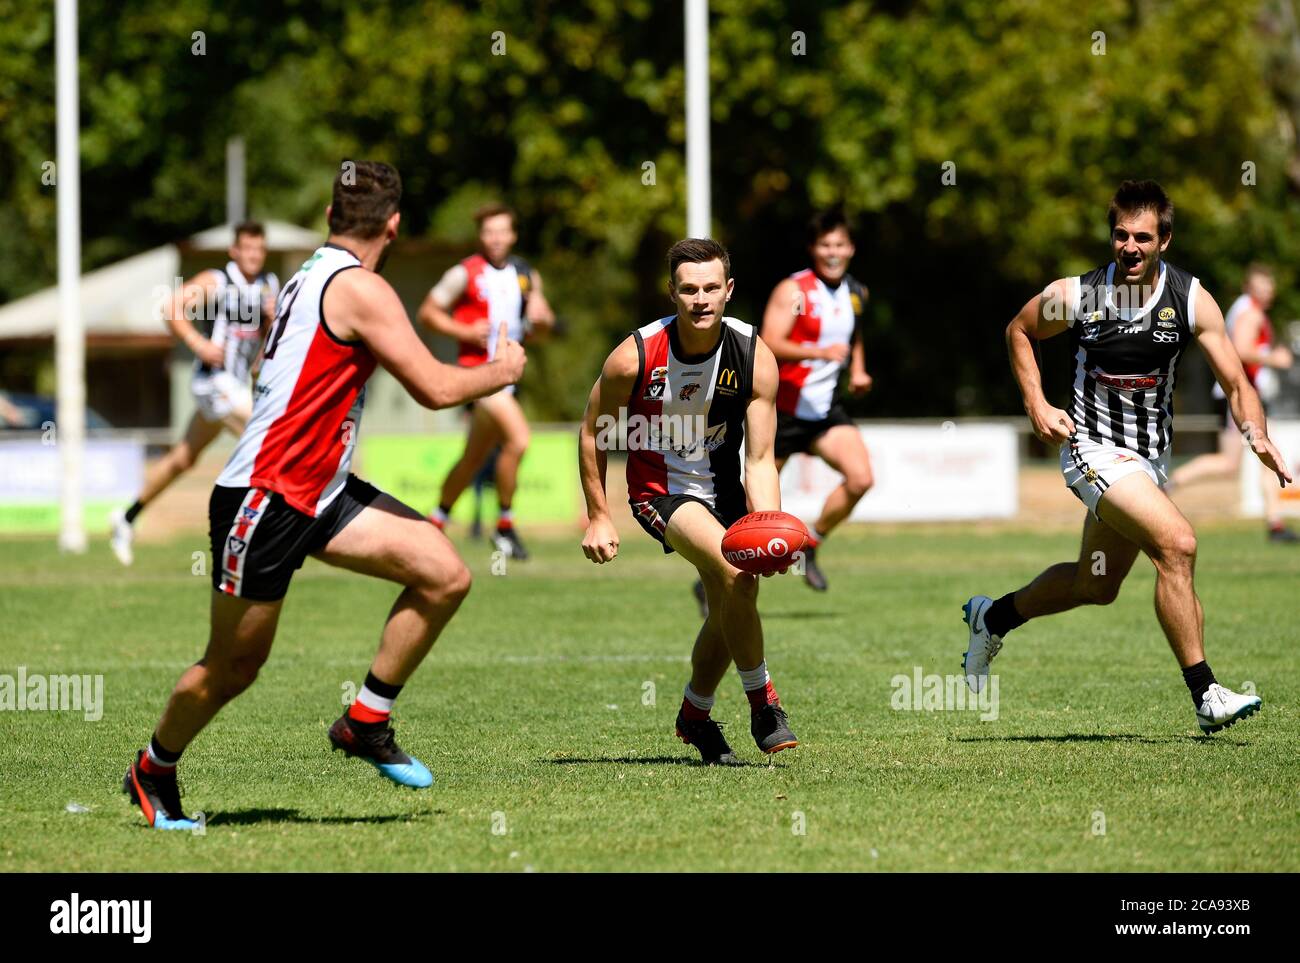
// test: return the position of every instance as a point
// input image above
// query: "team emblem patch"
(688, 391)
(236, 545)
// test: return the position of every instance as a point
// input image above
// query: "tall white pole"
(69, 340)
(236, 199)
(699, 213)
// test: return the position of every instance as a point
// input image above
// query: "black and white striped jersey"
(1125, 357)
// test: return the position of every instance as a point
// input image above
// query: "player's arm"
(191, 300)
(361, 304)
(435, 310)
(1044, 316)
(778, 321)
(596, 436)
(1245, 332)
(859, 380)
(762, 482)
(1212, 337)
(537, 312)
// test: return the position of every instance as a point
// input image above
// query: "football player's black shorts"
(798, 434)
(654, 513)
(259, 541)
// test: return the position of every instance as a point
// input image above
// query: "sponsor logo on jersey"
(709, 441)
(659, 373)
(1164, 337)
(688, 391)
(1129, 382)
(1131, 328)
(1166, 324)
(728, 383)
(1166, 314)
(856, 301)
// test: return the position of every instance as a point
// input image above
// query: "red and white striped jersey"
(483, 291)
(307, 398)
(825, 317)
(686, 416)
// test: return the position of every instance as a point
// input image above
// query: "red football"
(764, 541)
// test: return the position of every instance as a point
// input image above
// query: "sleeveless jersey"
(826, 317)
(686, 417)
(497, 294)
(1125, 358)
(1263, 337)
(237, 322)
(308, 396)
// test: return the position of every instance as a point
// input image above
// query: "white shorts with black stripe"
(1091, 468)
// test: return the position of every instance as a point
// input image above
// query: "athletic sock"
(1002, 616)
(815, 538)
(374, 702)
(696, 706)
(758, 686)
(1198, 678)
(506, 519)
(439, 516)
(135, 509)
(158, 761)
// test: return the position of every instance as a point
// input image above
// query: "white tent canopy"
(125, 298)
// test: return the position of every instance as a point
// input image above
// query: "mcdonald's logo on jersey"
(728, 383)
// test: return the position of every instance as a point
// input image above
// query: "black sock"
(1002, 616)
(135, 509)
(445, 509)
(161, 754)
(1198, 678)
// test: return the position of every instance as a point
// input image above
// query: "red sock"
(693, 712)
(504, 525)
(762, 697)
(152, 768)
(363, 713)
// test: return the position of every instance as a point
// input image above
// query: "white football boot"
(1222, 707)
(120, 536)
(983, 646)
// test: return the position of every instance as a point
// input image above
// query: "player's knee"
(1096, 591)
(857, 482)
(1177, 551)
(184, 457)
(446, 588)
(741, 585)
(229, 679)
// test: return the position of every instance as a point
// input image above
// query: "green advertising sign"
(412, 468)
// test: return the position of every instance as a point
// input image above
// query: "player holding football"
(1128, 321)
(711, 383)
(287, 493)
(814, 326)
(490, 290)
(237, 301)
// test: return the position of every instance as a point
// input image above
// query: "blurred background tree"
(1034, 111)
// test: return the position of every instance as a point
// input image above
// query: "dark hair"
(823, 222)
(1134, 197)
(366, 194)
(249, 229)
(1258, 269)
(493, 210)
(697, 250)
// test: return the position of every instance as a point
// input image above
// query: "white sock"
(377, 703)
(703, 703)
(158, 762)
(755, 678)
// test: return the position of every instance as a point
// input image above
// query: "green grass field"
(531, 714)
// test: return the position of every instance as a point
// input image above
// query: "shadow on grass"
(819, 614)
(646, 761)
(255, 817)
(1097, 737)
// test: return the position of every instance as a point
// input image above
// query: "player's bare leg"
(239, 642)
(512, 428)
(841, 447)
(1224, 463)
(482, 438)
(733, 595)
(1105, 559)
(179, 459)
(392, 541)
